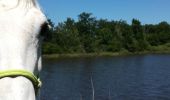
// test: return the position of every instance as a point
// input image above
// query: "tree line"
(91, 35)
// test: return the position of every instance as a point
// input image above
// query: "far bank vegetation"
(92, 35)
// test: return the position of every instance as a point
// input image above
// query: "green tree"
(163, 30)
(140, 42)
(151, 34)
(87, 30)
(89, 35)
(67, 37)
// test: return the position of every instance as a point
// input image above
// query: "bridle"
(15, 73)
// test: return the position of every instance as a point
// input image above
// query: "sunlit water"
(139, 77)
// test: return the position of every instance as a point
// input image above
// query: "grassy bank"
(162, 49)
(82, 55)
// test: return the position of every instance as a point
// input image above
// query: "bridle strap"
(15, 73)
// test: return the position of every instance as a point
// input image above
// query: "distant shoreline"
(102, 54)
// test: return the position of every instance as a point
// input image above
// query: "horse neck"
(18, 88)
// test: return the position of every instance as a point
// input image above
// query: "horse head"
(21, 22)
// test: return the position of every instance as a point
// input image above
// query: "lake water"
(138, 77)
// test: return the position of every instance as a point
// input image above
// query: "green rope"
(14, 73)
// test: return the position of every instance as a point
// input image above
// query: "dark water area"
(138, 77)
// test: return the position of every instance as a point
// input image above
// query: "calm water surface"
(140, 77)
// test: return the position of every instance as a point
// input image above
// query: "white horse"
(21, 22)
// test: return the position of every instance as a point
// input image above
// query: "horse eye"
(44, 29)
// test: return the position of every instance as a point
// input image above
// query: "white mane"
(12, 4)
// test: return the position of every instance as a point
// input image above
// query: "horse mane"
(29, 3)
(12, 4)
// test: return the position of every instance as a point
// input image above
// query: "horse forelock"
(12, 4)
(28, 3)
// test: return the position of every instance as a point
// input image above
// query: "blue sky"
(147, 11)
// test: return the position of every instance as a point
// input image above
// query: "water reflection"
(142, 77)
